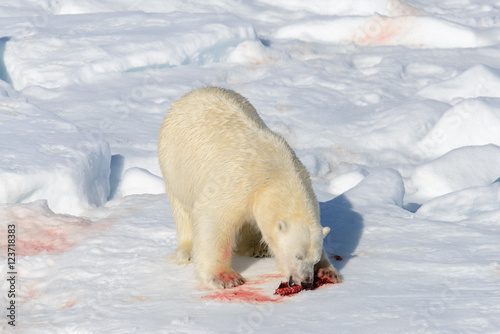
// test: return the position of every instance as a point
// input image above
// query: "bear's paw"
(181, 256)
(329, 274)
(259, 250)
(228, 280)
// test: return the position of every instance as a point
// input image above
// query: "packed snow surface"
(392, 106)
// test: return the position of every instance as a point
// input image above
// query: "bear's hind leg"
(250, 242)
(184, 228)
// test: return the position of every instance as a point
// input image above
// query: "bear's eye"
(299, 257)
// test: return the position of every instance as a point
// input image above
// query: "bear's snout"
(306, 281)
(307, 285)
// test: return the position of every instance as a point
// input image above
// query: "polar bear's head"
(298, 247)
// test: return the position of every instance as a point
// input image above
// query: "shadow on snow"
(346, 229)
(4, 75)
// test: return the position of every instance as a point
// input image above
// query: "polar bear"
(236, 186)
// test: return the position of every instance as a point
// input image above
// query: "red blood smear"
(336, 257)
(69, 304)
(41, 231)
(246, 293)
(264, 279)
(240, 294)
(47, 243)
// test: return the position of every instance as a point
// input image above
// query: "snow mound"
(461, 205)
(374, 30)
(468, 123)
(346, 7)
(50, 159)
(479, 80)
(254, 53)
(321, 7)
(408, 123)
(137, 181)
(459, 169)
(71, 51)
(344, 182)
(151, 6)
(20, 8)
(381, 187)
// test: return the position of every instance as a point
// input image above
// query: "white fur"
(226, 173)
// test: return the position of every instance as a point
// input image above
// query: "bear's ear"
(326, 230)
(281, 226)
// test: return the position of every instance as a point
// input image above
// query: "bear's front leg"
(213, 259)
(324, 269)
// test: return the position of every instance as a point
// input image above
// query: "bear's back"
(217, 105)
(218, 126)
(216, 134)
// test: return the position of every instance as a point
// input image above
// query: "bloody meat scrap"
(284, 289)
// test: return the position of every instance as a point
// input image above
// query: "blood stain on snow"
(336, 257)
(41, 231)
(264, 279)
(241, 294)
(268, 277)
(69, 304)
(47, 242)
(384, 30)
(32, 292)
(142, 299)
(247, 293)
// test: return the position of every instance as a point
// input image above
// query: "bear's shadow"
(346, 229)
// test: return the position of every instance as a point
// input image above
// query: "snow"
(458, 127)
(477, 81)
(463, 204)
(464, 167)
(45, 157)
(344, 182)
(139, 181)
(109, 45)
(393, 107)
(411, 31)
